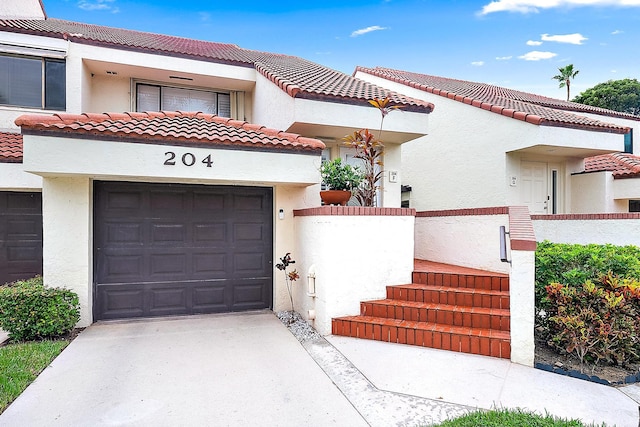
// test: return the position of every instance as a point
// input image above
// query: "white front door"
(534, 189)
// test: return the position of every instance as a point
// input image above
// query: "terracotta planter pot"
(335, 197)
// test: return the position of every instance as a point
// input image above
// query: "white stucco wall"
(21, 9)
(286, 198)
(469, 155)
(634, 124)
(67, 239)
(354, 258)
(267, 96)
(627, 188)
(121, 160)
(619, 232)
(469, 240)
(592, 193)
(14, 178)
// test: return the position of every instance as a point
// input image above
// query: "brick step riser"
(446, 317)
(448, 296)
(490, 283)
(485, 346)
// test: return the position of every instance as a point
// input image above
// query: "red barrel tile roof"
(622, 165)
(528, 107)
(10, 147)
(296, 76)
(178, 128)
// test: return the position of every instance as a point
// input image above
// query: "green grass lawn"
(510, 418)
(21, 363)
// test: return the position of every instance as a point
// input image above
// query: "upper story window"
(628, 142)
(166, 98)
(33, 82)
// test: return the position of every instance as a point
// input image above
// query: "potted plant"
(340, 180)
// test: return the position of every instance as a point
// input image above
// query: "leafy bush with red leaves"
(598, 321)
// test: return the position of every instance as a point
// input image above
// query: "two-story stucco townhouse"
(493, 146)
(163, 172)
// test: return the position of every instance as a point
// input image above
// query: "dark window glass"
(21, 81)
(628, 142)
(55, 85)
(634, 205)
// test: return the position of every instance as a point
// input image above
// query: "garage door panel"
(187, 248)
(211, 265)
(168, 265)
(120, 267)
(249, 294)
(17, 201)
(250, 202)
(23, 229)
(164, 202)
(248, 264)
(123, 233)
(166, 300)
(206, 202)
(168, 233)
(25, 253)
(249, 232)
(20, 235)
(127, 200)
(210, 298)
(214, 232)
(118, 301)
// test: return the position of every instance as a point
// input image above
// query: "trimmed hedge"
(30, 311)
(573, 265)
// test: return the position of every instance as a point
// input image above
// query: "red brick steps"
(447, 307)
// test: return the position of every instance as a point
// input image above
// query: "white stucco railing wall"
(471, 238)
(617, 229)
(354, 253)
(464, 237)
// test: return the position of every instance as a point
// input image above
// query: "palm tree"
(566, 74)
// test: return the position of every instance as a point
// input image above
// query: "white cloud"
(575, 38)
(534, 6)
(503, 58)
(204, 16)
(536, 55)
(533, 43)
(362, 31)
(617, 32)
(477, 63)
(90, 5)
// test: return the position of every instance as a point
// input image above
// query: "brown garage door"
(181, 249)
(20, 235)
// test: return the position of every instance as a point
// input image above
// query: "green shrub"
(573, 265)
(29, 310)
(598, 321)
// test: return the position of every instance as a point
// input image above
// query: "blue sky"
(513, 43)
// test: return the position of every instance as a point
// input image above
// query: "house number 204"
(188, 159)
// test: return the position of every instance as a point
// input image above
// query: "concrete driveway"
(217, 370)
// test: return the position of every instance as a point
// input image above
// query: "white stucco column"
(66, 223)
(522, 307)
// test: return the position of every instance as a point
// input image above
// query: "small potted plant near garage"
(340, 180)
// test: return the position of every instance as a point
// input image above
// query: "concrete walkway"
(247, 369)
(486, 382)
(222, 370)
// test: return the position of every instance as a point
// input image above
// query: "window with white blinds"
(167, 98)
(32, 82)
